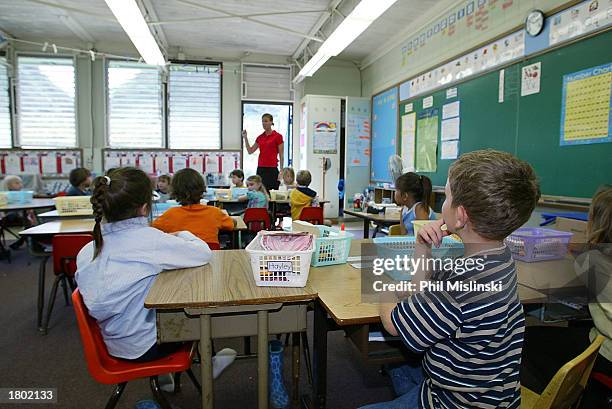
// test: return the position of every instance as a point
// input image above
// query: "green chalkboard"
(529, 126)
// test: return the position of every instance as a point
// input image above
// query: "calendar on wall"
(47, 163)
(214, 165)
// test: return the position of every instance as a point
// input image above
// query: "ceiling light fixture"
(364, 14)
(131, 19)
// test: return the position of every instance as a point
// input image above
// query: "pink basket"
(536, 244)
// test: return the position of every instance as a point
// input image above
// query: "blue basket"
(390, 246)
(331, 247)
(160, 208)
(239, 191)
(19, 196)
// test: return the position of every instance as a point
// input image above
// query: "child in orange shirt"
(201, 220)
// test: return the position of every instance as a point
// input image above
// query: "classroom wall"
(388, 67)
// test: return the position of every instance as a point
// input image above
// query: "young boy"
(471, 338)
(302, 196)
(163, 187)
(201, 220)
(80, 181)
(237, 177)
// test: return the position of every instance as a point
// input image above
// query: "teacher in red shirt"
(270, 145)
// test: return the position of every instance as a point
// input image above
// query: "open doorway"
(251, 121)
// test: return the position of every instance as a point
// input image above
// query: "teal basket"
(390, 246)
(19, 196)
(331, 247)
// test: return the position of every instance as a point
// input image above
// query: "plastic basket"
(223, 194)
(3, 199)
(536, 244)
(19, 196)
(239, 191)
(279, 194)
(73, 205)
(331, 247)
(389, 247)
(160, 208)
(278, 268)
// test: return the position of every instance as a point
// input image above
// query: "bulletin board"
(384, 134)
(52, 163)
(215, 165)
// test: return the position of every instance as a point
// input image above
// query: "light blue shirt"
(408, 215)
(115, 284)
(257, 199)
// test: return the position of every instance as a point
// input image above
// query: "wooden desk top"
(339, 290)
(66, 226)
(226, 281)
(377, 218)
(55, 214)
(35, 204)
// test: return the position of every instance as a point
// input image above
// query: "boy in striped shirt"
(471, 340)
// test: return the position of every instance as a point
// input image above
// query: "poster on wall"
(530, 79)
(325, 138)
(359, 146)
(408, 134)
(427, 141)
(580, 19)
(586, 106)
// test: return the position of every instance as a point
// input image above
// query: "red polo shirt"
(268, 149)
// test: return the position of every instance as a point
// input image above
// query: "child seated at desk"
(25, 219)
(471, 340)
(80, 182)
(237, 176)
(287, 178)
(163, 188)
(412, 192)
(257, 195)
(117, 269)
(204, 221)
(302, 196)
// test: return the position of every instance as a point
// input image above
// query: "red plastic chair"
(603, 379)
(312, 215)
(214, 246)
(109, 370)
(256, 219)
(61, 194)
(65, 250)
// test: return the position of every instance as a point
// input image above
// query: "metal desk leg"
(319, 362)
(262, 359)
(206, 362)
(366, 229)
(41, 292)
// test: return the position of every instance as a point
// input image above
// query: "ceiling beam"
(269, 25)
(150, 15)
(279, 13)
(316, 27)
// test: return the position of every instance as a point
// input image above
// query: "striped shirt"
(472, 340)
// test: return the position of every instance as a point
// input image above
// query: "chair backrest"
(313, 215)
(256, 219)
(96, 354)
(569, 382)
(395, 230)
(65, 249)
(214, 246)
(61, 194)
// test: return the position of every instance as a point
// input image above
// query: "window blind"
(194, 107)
(46, 102)
(5, 115)
(266, 83)
(134, 105)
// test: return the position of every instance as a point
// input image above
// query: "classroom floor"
(56, 360)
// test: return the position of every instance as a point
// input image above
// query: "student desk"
(34, 204)
(71, 226)
(380, 219)
(219, 295)
(339, 296)
(53, 214)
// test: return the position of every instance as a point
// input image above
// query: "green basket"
(331, 247)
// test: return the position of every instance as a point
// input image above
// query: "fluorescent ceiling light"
(131, 19)
(364, 14)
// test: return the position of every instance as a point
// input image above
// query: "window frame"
(17, 143)
(10, 94)
(165, 76)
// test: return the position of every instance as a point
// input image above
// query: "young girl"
(257, 194)
(12, 183)
(412, 191)
(26, 218)
(116, 271)
(163, 187)
(203, 221)
(288, 178)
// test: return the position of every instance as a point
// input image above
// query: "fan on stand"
(395, 167)
(325, 165)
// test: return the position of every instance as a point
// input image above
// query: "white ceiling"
(214, 29)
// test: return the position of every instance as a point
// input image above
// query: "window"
(266, 83)
(5, 115)
(194, 107)
(46, 102)
(134, 105)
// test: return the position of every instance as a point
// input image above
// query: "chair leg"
(295, 355)
(45, 324)
(194, 380)
(158, 394)
(247, 345)
(41, 291)
(65, 288)
(177, 382)
(114, 398)
(307, 356)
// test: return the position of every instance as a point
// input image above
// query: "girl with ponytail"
(116, 270)
(413, 191)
